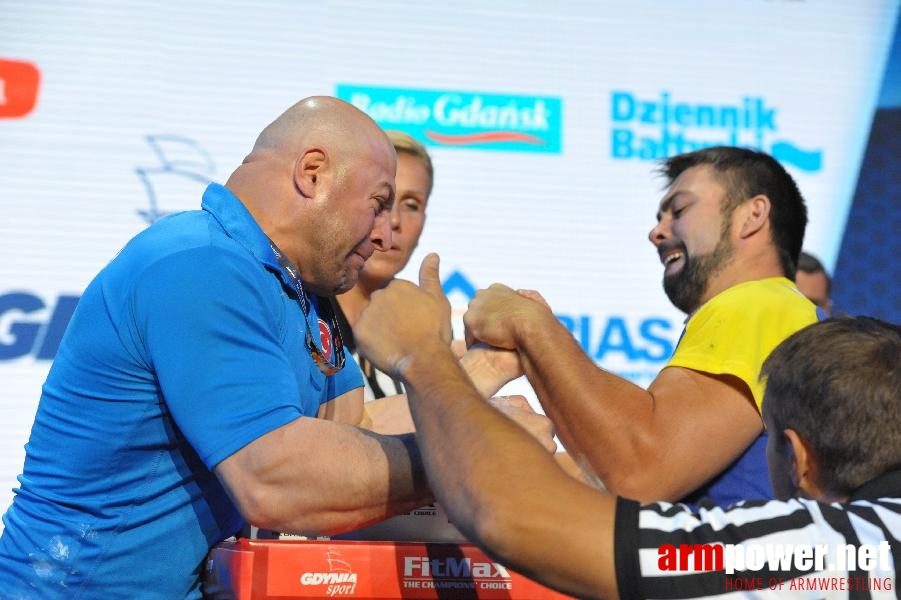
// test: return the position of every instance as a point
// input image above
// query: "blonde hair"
(404, 142)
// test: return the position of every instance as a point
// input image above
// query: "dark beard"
(686, 288)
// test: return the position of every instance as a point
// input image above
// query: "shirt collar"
(239, 224)
(887, 485)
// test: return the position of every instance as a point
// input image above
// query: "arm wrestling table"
(248, 569)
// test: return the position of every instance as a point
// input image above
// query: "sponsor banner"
(654, 126)
(257, 569)
(476, 120)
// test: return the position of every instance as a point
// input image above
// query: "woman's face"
(407, 219)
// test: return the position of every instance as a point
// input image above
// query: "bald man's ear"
(756, 214)
(308, 171)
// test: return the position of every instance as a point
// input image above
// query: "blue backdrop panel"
(867, 277)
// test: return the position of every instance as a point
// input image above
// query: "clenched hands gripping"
(404, 321)
(404, 324)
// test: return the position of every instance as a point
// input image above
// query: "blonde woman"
(414, 179)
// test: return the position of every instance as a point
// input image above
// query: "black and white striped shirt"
(872, 517)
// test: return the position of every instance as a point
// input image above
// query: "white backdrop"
(543, 120)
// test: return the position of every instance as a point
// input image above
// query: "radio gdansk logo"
(464, 119)
(651, 128)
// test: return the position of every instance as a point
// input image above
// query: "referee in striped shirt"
(833, 410)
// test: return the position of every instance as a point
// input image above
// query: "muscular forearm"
(318, 477)
(597, 415)
(643, 444)
(502, 489)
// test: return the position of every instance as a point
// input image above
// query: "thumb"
(428, 276)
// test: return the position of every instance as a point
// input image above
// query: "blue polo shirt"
(188, 346)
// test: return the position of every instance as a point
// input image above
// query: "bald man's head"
(319, 121)
(320, 184)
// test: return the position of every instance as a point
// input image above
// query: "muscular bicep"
(252, 474)
(703, 423)
(293, 477)
(318, 476)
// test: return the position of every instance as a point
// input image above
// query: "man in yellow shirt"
(729, 230)
(834, 451)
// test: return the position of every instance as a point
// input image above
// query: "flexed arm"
(659, 443)
(499, 486)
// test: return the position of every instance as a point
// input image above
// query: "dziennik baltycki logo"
(651, 127)
(473, 120)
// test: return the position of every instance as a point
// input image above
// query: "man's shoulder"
(183, 250)
(737, 329)
(180, 236)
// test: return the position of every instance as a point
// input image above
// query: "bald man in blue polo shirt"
(180, 402)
